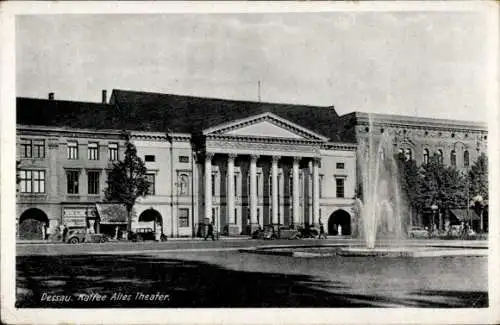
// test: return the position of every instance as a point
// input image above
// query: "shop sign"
(75, 217)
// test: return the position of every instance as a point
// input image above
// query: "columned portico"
(295, 191)
(208, 185)
(275, 188)
(271, 146)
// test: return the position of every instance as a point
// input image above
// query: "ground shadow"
(193, 284)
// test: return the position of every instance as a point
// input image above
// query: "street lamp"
(434, 208)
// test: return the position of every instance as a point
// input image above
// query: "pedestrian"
(47, 232)
(64, 232)
(210, 231)
(322, 233)
(339, 230)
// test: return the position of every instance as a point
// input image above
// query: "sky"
(428, 64)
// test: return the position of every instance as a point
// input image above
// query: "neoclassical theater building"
(239, 164)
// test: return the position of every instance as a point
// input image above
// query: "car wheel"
(103, 239)
(73, 240)
(139, 238)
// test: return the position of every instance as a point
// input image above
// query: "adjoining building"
(240, 164)
(457, 143)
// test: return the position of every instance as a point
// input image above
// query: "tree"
(408, 179)
(127, 181)
(478, 186)
(478, 177)
(440, 185)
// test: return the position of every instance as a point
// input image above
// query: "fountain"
(382, 206)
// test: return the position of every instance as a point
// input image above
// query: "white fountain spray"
(381, 209)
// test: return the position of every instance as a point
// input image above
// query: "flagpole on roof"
(258, 89)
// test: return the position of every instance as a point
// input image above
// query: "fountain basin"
(382, 251)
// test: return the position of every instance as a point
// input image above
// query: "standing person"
(210, 231)
(64, 233)
(322, 233)
(339, 230)
(47, 232)
(61, 230)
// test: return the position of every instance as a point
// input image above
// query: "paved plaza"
(198, 273)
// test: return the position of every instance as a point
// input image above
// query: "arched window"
(440, 156)
(426, 156)
(408, 154)
(466, 158)
(453, 158)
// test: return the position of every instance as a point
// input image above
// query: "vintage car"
(418, 232)
(276, 232)
(309, 232)
(81, 236)
(142, 234)
(264, 233)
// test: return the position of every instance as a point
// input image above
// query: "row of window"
(338, 181)
(72, 180)
(453, 156)
(35, 148)
(33, 181)
(92, 151)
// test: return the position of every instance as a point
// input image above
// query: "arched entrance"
(33, 224)
(342, 218)
(153, 216)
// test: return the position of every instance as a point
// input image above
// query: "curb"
(48, 242)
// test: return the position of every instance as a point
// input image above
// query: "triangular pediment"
(266, 125)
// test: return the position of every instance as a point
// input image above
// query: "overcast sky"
(429, 64)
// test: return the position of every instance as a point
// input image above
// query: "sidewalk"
(47, 242)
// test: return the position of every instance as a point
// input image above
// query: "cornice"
(418, 123)
(58, 131)
(156, 137)
(256, 139)
(339, 146)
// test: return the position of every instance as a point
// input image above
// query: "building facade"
(240, 173)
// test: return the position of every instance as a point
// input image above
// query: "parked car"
(288, 233)
(418, 232)
(81, 236)
(142, 234)
(309, 232)
(276, 232)
(264, 233)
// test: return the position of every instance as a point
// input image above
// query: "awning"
(112, 213)
(461, 214)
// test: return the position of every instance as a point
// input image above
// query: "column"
(315, 202)
(230, 188)
(310, 219)
(208, 185)
(275, 187)
(253, 192)
(295, 190)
